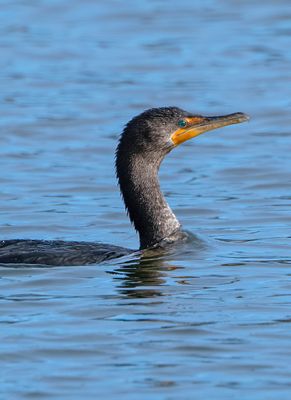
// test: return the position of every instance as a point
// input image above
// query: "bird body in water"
(144, 143)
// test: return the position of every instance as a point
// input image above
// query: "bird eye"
(182, 123)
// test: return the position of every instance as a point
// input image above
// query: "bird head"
(159, 130)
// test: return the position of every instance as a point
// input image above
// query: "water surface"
(211, 321)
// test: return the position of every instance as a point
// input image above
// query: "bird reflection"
(145, 275)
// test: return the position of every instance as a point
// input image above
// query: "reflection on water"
(142, 278)
(209, 320)
(145, 275)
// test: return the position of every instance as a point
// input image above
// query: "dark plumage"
(57, 252)
(144, 143)
(141, 149)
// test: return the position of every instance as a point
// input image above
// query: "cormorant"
(145, 141)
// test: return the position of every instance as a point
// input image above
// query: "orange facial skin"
(197, 125)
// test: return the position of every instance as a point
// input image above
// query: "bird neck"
(147, 208)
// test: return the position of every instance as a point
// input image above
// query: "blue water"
(212, 321)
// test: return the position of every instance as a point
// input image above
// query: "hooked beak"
(198, 124)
